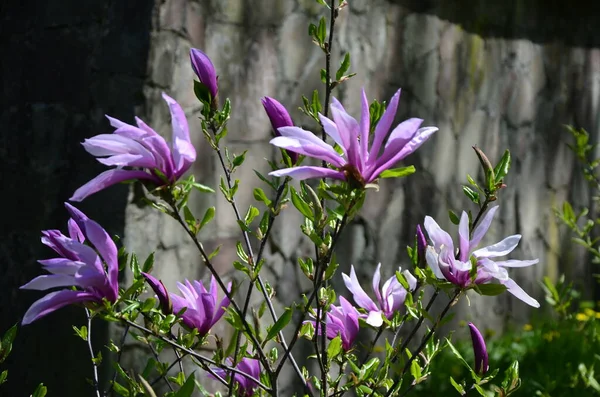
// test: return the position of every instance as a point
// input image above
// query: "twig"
(196, 355)
(121, 344)
(91, 348)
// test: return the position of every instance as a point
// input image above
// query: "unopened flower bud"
(279, 117)
(205, 70)
(480, 350)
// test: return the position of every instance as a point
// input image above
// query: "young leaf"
(280, 324)
(208, 216)
(398, 172)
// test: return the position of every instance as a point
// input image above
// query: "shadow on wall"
(541, 21)
(70, 63)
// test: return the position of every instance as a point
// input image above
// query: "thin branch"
(121, 344)
(157, 358)
(91, 348)
(196, 355)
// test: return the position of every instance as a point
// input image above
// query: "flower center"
(353, 176)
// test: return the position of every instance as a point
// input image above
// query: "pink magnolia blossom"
(456, 267)
(358, 162)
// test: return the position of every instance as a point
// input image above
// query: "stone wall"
(497, 82)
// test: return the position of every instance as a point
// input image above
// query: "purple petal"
(479, 350)
(394, 153)
(518, 292)
(483, 227)
(376, 282)
(74, 231)
(349, 130)
(205, 70)
(306, 172)
(277, 113)
(438, 236)
(374, 319)
(332, 130)
(208, 312)
(53, 301)
(365, 125)
(432, 260)
(48, 281)
(161, 292)
(184, 153)
(383, 126)
(517, 263)
(502, 248)
(122, 151)
(412, 281)
(61, 265)
(305, 142)
(463, 236)
(222, 306)
(108, 251)
(360, 296)
(106, 179)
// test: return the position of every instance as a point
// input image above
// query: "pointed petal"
(305, 142)
(74, 231)
(122, 151)
(517, 263)
(205, 70)
(184, 153)
(306, 172)
(365, 125)
(108, 251)
(222, 306)
(437, 235)
(432, 260)
(332, 130)
(61, 265)
(502, 248)
(360, 296)
(396, 152)
(383, 126)
(48, 281)
(349, 129)
(376, 282)
(375, 319)
(106, 179)
(518, 292)
(483, 227)
(412, 281)
(463, 236)
(54, 301)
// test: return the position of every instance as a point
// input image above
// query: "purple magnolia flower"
(342, 320)
(142, 149)
(249, 366)
(78, 265)
(202, 310)
(279, 117)
(357, 162)
(161, 293)
(421, 245)
(389, 300)
(205, 70)
(479, 349)
(455, 266)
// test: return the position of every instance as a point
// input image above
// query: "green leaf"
(188, 387)
(252, 213)
(344, 66)
(3, 376)
(280, 324)
(239, 160)
(148, 263)
(490, 289)
(208, 216)
(81, 332)
(202, 92)
(202, 188)
(398, 172)
(322, 30)
(453, 217)
(324, 76)
(300, 204)
(471, 194)
(259, 195)
(415, 370)
(458, 355)
(335, 347)
(502, 167)
(459, 388)
(40, 391)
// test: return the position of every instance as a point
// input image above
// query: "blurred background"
(497, 74)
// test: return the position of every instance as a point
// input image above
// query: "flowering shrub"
(354, 155)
